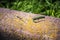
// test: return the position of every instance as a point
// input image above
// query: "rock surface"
(17, 25)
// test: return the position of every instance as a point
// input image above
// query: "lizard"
(18, 25)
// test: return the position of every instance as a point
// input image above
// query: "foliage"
(46, 7)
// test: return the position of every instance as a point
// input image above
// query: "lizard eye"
(36, 19)
(40, 17)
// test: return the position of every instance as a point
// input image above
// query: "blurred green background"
(45, 7)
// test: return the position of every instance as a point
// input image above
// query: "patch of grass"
(45, 7)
